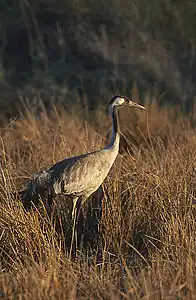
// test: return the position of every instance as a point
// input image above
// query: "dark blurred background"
(64, 51)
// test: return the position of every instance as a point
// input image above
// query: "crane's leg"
(100, 214)
(73, 222)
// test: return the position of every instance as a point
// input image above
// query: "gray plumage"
(82, 175)
(76, 176)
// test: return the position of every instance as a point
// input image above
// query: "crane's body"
(78, 176)
(82, 175)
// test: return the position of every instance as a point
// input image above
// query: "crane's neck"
(115, 138)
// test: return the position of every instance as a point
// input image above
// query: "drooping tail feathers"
(36, 189)
(26, 198)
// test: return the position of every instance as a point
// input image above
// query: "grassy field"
(147, 231)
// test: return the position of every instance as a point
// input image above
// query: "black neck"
(116, 128)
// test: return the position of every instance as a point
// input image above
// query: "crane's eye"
(126, 99)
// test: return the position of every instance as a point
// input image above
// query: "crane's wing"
(81, 174)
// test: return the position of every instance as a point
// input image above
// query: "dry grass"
(147, 231)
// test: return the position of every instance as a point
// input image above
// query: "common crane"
(82, 175)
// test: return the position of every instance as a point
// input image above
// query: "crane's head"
(118, 101)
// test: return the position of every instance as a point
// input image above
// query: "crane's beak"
(134, 104)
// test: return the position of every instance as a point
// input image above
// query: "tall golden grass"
(147, 231)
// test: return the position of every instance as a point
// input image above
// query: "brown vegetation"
(147, 231)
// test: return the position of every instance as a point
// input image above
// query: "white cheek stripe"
(120, 101)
